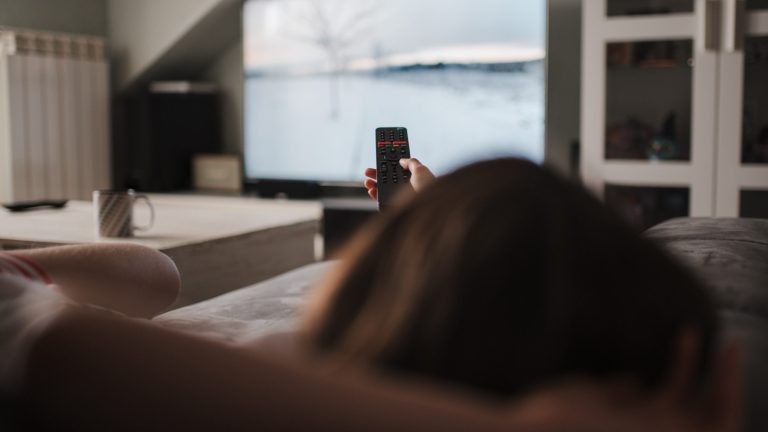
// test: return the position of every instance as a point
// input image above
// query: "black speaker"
(160, 129)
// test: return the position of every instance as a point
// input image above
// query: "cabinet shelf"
(644, 173)
(671, 124)
(645, 7)
(648, 28)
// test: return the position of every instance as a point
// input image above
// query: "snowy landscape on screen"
(315, 93)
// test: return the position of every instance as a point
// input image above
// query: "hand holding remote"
(420, 176)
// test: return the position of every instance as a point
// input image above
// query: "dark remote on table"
(391, 145)
(20, 206)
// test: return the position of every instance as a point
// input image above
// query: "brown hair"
(502, 276)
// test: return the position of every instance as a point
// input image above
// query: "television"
(466, 77)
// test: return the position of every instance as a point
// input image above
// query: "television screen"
(466, 77)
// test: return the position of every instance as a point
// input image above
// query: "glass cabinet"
(742, 168)
(638, 127)
(675, 107)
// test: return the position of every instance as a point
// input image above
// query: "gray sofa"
(730, 256)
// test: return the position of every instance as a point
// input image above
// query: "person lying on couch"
(502, 276)
(498, 297)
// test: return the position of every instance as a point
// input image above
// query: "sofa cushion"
(729, 255)
(731, 258)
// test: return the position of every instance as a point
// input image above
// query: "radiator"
(54, 116)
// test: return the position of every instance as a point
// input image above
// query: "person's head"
(501, 277)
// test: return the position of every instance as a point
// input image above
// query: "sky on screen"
(286, 35)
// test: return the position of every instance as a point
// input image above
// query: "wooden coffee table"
(218, 243)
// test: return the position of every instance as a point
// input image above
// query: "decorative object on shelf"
(214, 172)
(628, 140)
(664, 145)
(634, 139)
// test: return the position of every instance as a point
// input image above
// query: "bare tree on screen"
(333, 26)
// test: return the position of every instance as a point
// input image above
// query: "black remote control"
(391, 145)
(20, 206)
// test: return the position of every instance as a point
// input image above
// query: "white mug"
(114, 212)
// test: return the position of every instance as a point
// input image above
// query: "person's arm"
(127, 278)
(93, 372)
(421, 176)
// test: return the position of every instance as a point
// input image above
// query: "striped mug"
(114, 212)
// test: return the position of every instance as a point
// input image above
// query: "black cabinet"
(159, 130)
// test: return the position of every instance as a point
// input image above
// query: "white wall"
(67, 16)
(563, 81)
(227, 72)
(140, 31)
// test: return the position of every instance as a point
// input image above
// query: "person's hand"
(622, 406)
(420, 176)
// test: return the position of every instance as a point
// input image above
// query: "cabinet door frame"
(696, 174)
(732, 174)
